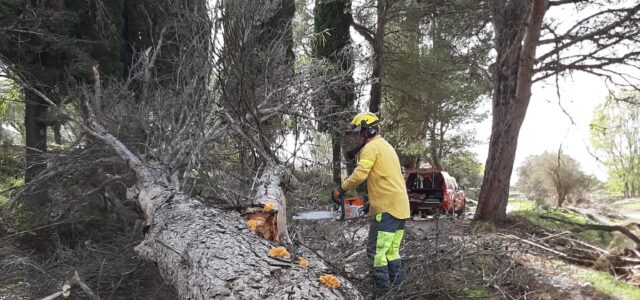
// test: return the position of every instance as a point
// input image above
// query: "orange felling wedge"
(279, 251)
(330, 281)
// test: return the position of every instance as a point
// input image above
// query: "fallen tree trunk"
(208, 253)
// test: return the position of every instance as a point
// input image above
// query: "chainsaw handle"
(339, 206)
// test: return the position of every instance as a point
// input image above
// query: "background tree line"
(615, 135)
(430, 61)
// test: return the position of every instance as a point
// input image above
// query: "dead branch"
(73, 282)
(607, 228)
(563, 255)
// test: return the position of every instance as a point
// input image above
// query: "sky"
(546, 127)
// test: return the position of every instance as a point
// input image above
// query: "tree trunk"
(36, 203)
(208, 253)
(626, 189)
(271, 224)
(332, 19)
(561, 199)
(378, 50)
(35, 135)
(337, 157)
(57, 133)
(435, 158)
(517, 31)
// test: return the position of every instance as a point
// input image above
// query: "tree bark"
(435, 157)
(35, 135)
(207, 253)
(337, 157)
(272, 225)
(378, 50)
(333, 19)
(517, 31)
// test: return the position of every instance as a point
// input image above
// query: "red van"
(433, 191)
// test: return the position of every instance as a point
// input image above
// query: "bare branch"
(364, 31)
(563, 2)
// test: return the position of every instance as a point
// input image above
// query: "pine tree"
(332, 43)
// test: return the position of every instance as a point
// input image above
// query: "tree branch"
(527, 57)
(607, 228)
(562, 2)
(364, 32)
(602, 30)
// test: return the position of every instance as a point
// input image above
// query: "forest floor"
(446, 258)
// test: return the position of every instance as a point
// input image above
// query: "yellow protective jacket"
(380, 167)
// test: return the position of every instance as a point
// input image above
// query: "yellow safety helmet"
(365, 121)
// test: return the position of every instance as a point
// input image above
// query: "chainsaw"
(344, 208)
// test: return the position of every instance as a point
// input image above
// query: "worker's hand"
(337, 194)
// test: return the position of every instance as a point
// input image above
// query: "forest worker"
(379, 165)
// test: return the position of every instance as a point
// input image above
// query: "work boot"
(396, 272)
(381, 281)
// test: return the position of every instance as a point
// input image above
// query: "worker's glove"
(337, 194)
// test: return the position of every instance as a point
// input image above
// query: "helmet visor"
(353, 129)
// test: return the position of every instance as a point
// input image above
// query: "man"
(379, 165)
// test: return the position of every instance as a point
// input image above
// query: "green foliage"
(10, 95)
(64, 41)
(550, 175)
(332, 17)
(331, 41)
(521, 204)
(11, 162)
(6, 183)
(615, 134)
(465, 168)
(432, 95)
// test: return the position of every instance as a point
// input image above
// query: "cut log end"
(264, 224)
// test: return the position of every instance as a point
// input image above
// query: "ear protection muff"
(369, 130)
